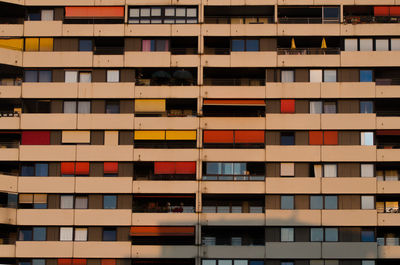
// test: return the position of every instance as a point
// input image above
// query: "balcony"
(102, 249)
(166, 123)
(349, 153)
(232, 155)
(7, 251)
(48, 121)
(348, 121)
(45, 217)
(10, 91)
(233, 219)
(46, 153)
(90, 217)
(58, 59)
(165, 155)
(388, 252)
(10, 57)
(232, 187)
(166, 91)
(349, 185)
(387, 154)
(293, 217)
(142, 252)
(169, 186)
(46, 185)
(357, 250)
(12, 30)
(293, 153)
(105, 121)
(293, 121)
(292, 250)
(164, 219)
(348, 90)
(9, 154)
(104, 153)
(235, 252)
(43, 249)
(369, 58)
(293, 90)
(42, 28)
(388, 219)
(103, 185)
(8, 182)
(8, 216)
(293, 185)
(311, 60)
(349, 217)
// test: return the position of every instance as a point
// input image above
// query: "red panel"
(67, 168)
(164, 168)
(35, 137)
(331, 137)
(82, 168)
(394, 11)
(79, 262)
(388, 132)
(381, 11)
(315, 137)
(218, 137)
(162, 231)
(110, 167)
(108, 262)
(287, 105)
(94, 11)
(185, 167)
(64, 262)
(249, 137)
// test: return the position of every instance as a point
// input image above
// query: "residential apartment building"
(193, 132)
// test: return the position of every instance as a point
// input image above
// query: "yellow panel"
(149, 135)
(46, 44)
(111, 138)
(25, 198)
(40, 198)
(181, 135)
(14, 44)
(150, 105)
(31, 44)
(75, 137)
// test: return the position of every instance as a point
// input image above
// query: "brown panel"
(123, 262)
(58, 75)
(348, 75)
(270, 75)
(58, 15)
(301, 138)
(272, 262)
(95, 201)
(66, 44)
(349, 234)
(273, 106)
(302, 262)
(51, 262)
(268, 44)
(349, 202)
(302, 106)
(99, 75)
(348, 106)
(272, 202)
(97, 137)
(349, 138)
(126, 106)
(302, 170)
(133, 44)
(125, 169)
(302, 234)
(124, 201)
(53, 233)
(273, 170)
(95, 233)
(349, 170)
(98, 106)
(55, 137)
(53, 201)
(96, 169)
(56, 106)
(128, 75)
(272, 234)
(93, 261)
(126, 137)
(301, 202)
(272, 138)
(54, 169)
(301, 75)
(123, 233)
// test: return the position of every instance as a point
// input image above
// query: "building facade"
(188, 132)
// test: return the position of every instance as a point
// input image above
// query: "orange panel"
(331, 137)
(185, 167)
(287, 106)
(82, 168)
(315, 137)
(218, 137)
(234, 102)
(108, 262)
(394, 11)
(162, 231)
(94, 11)
(67, 168)
(79, 262)
(110, 167)
(64, 262)
(249, 137)
(381, 11)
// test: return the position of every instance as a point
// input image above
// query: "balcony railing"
(165, 209)
(370, 19)
(224, 51)
(234, 177)
(388, 241)
(179, 51)
(238, 20)
(387, 81)
(234, 82)
(9, 144)
(307, 51)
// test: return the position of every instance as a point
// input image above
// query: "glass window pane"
(144, 12)
(287, 139)
(316, 76)
(330, 170)
(80, 234)
(227, 168)
(366, 107)
(109, 235)
(38, 262)
(109, 202)
(47, 15)
(44, 76)
(169, 12)
(81, 202)
(367, 138)
(287, 234)
(85, 77)
(316, 202)
(28, 170)
(156, 12)
(84, 107)
(367, 236)
(209, 262)
(239, 168)
(69, 106)
(112, 75)
(368, 262)
(180, 12)
(71, 76)
(315, 107)
(112, 107)
(367, 202)
(287, 76)
(67, 202)
(41, 169)
(85, 45)
(225, 262)
(365, 75)
(331, 202)
(329, 75)
(223, 209)
(395, 44)
(366, 45)
(331, 13)
(317, 234)
(252, 45)
(31, 76)
(25, 235)
(66, 233)
(169, 21)
(382, 45)
(191, 12)
(287, 202)
(213, 168)
(134, 12)
(237, 45)
(331, 234)
(329, 107)
(367, 170)
(350, 45)
(256, 262)
(39, 233)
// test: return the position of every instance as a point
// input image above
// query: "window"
(109, 234)
(85, 45)
(41, 169)
(28, 170)
(331, 14)
(350, 45)
(330, 76)
(287, 138)
(245, 45)
(331, 202)
(395, 44)
(80, 234)
(39, 234)
(85, 77)
(37, 76)
(81, 202)
(368, 262)
(71, 76)
(366, 45)
(163, 14)
(316, 202)
(330, 170)
(112, 106)
(69, 106)
(367, 138)
(287, 169)
(287, 202)
(25, 234)
(209, 241)
(287, 263)
(367, 202)
(83, 106)
(238, 45)
(367, 170)
(367, 236)
(366, 76)
(155, 45)
(329, 107)
(287, 76)
(112, 76)
(317, 234)
(67, 202)
(331, 235)
(366, 107)
(315, 107)
(236, 241)
(38, 262)
(110, 202)
(287, 234)
(382, 44)
(47, 15)
(209, 262)
(66, 233)
(316, 76)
